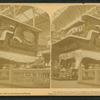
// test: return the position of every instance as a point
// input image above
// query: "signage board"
(17, 36)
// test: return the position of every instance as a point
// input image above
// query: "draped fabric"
(17, 57)
(4, 34)
(6, 27)
(80, 54)
(66, 56)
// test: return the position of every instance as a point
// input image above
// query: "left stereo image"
(24, 47)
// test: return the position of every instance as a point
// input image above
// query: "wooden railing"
(4, 74)
(26, 77)
(91, 76)
(88, 74)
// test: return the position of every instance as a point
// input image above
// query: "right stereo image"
(75, 47)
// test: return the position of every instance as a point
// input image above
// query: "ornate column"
(78, 62)
(78, 58)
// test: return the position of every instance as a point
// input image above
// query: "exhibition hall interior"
(75, 38)
(24, 47)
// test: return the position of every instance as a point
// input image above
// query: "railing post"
(96, 75)
(10, 74)
(80, 74)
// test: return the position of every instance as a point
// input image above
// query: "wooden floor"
(9, 86)
(71, 84)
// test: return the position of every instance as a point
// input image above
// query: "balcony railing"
(91, 76)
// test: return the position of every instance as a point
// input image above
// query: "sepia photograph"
(49, 49)
(24, 47)
(75, 54)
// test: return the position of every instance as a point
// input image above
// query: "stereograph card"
(49, 49)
